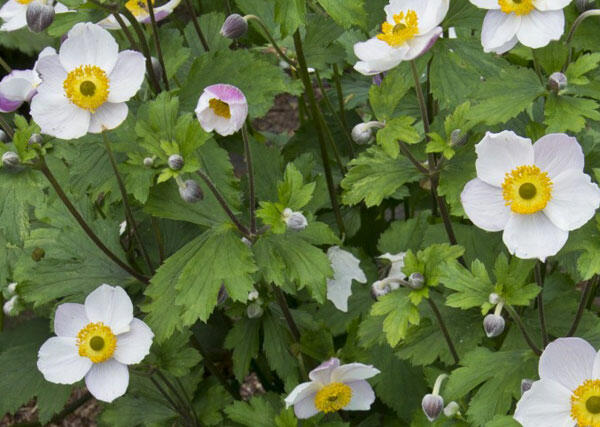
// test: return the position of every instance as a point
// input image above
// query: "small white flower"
(122, 228)
(535, 194)
(12, 287)
(294, 220)
(534, 23)
(85, 86)
(96, 340)
(332, 388)
(14, 13)
(222, 108)
(346, 267)
(411, 28)
(568, 391)
(253, 295)
(9, 305)
(139, 9)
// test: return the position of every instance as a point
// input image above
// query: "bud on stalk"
(234, 27)
(190, 191)
(39, 16)
(175, 162)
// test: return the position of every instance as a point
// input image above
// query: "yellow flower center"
(585, 404)
(87, 87)
(519, 7)
(333, 397)
(138, 7)
(97, 342)
(24, 1)
(220, 108)
(405, 28)
(526, 189)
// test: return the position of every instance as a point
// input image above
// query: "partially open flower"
(14, 12)
(294, 220)
(222, 108)
(96, 341)
(139, 9)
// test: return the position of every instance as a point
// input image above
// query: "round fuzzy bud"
(3, 136)
(175, 162)
(191, 191)
(493, 325)
(294, 220)
(451, 409)
(362, 133)
(39, 16)
(10, 160)
(416, 281)
(526, 384)
(494, 298)
(234, 27)
(156, 68)
(557, 81)
(584, 5)
(254, 310)
(223, 295)
(35, 138)
(432, 406)
(148, 162)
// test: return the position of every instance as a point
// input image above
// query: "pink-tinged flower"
(534, 23)
(14, 13)
(96, 340)
(86, 85)
(535, 193)
(222, 108)
(568, 391)
(333, 387)
(140, 10)
(411, 29)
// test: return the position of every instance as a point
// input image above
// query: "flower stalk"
(540, 302)
(517, 319)
(196, 25)
(444, 330)
(269, 37)
(157, 44)
(252, 195)
(585, 295)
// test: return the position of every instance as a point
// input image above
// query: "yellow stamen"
(333, 397)
(97, 342)
(87, 87)
(406, 27)
(138, 7)
(220, 108)
(519, 7)
(24, 1)
(527, 190)
(585, 404)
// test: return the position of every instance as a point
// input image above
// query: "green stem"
(540, 301)
(6, 126)
(174, 406)
(578, 21)
(5, 65)
(271, 39)
(280, 297)
(184, 406)
(196, 25)
(252, 197)
(412, 159)
(444, 330)
(537, 68)
(308, 87)
(342, 114)
(585, 294)
(159, 240)
(157, 44)
(517, 319)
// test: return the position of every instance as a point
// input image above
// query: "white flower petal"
(596, 367)
(57, 116)
(484, 205)
(376, 56)
(498, 29)
(568, 361)
(533, 236)
(575, 199)
(108, 380)
(108, 116)
(14, 15)
(551, 4)
(110, 23)
(486, 4)
(69, 319)
(540, 28)
(421, 44)
(59, 361)
(111, 306)
(322, 373)
(306, 408)
(545, 404)
(500, 153)
(353, 372)
(363, 396)
(89, 44)
(397, 261)
(52, 73)
(557, 152)
(430, 13)
(506, 46)
(301, 392)
(134, 345)
(18, 85)
(127, 76)
(346, 267)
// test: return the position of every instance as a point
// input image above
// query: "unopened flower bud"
(175, 162)
(557, 81)
(246, 242)
(379, 289)
(191, 191)
(39, 16)
(253, 295)
(254, 310)
(156, 68)
(458, 138)
(584, 5)
(10, 160)
(526, 384)
(3, 136)
(432, 406)
(223, 295)
(294, 220)
(9, 305)
(362, 133)
(35, 138)
(234, 27)
(12, 287)
(494, 298)
(416, 281)
(451, 409)
(148, 162)
(493, 325)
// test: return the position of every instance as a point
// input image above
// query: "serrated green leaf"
(399, 314)
(243, 340)
(566, 113)
(397, 129)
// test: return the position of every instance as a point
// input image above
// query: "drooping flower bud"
(39, 16)
(148, 162)
(493, 325)
(3, 136)
(10, 160)
(584, 5)
(12, 287)
(451, 409)
(294, 220)
(191, 192)
(9, 305)
(432, 406)
(234, 27)
(156, 68)
(175, 162)
(254, 310)
(557, 81)
(416, 281)
(35, 138)
(526, 384)
(379, 289)
(363, 132)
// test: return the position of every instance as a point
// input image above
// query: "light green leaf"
(397, 129)
(399, 314)
(346, 14)
(243, 340)
(566, 113)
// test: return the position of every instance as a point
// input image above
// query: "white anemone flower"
(395, 275)
(411, 29)
(14, 13)
(536, 194)
(534, 23)
(346, 268)
(568, 391)
(20, 86)
(85, 86)
(333, 387)
(96, 340)
(139, 9)
(222, 108)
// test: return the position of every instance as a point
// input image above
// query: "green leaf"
(211, 24)
(432, 261)
(386, 98)
(243, 340)
(397, 129)
(399, 314)
(473, 288)
(175, 355)
(258, 412)
(346, 14)
(23, 132)
(276, 346)
(320, 43)
(566, 113)
(583, 65)
(404, 235)
(293, 193)
(290, 14)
